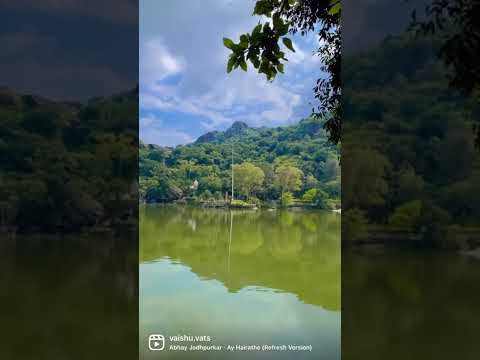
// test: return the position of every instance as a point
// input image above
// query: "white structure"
(194, 186)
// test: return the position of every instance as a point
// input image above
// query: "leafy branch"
(261, 48)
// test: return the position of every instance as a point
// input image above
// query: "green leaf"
(228, 43)
(244, 41)
(263, 7)
(257, 29)
(231, 63)
(243, 65)
(280, 68)
(279, 25)
(237, 48)
(284, 29)
(335, 9)
(288, 43)
(263, 68)
(277, 21)
(271, 74)
(253, 57)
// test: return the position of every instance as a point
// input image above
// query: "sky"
(185, 90)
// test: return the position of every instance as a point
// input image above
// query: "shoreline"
(246, 206)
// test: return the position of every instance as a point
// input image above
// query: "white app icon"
(156, 342)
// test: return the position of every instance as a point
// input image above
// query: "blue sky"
(184, 88)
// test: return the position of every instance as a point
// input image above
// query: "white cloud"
(148, 121)
(189, 105)
(190, 46)
(225, 97)
(157, 62)
(296, 57)
(305, 58)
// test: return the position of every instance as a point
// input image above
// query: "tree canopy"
(248, 178)
(408, 151)
(262, 156)
(289, 178)
(64, 166)
(261, 48)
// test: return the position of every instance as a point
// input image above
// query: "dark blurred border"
(410, 180)
(68, 179)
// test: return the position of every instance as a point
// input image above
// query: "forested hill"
(65, 166)
(408, 147)
(299, 153)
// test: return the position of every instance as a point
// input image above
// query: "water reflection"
(243, 277)
(292, 252)
(72, 297)
(406, 305)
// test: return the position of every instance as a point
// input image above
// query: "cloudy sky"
(184, 88)
(69, 50)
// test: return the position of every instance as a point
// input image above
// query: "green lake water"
(251, 278)
(410, 304)
(69, 297)
(277, 280)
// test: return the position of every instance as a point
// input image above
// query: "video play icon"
(156, 342)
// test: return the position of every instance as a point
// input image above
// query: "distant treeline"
(272, 165)
(65, 166)
(408, 150)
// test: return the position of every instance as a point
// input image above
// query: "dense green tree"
(248, 178)
(310, 182)
(287, 198)
(409, 185)
(310, 195)
(321, 199)
(365, 182)
(66, 166)
(289, 178)
(270, 190)
(330, 168)
(407, 216)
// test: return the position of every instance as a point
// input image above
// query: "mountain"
(208, 137)
(305, 146)
(237, 128)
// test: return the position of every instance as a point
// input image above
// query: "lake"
(75, 297)
(240, 278)
(69, 297)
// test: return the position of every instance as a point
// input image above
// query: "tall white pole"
(232, 171)
(230, 240)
